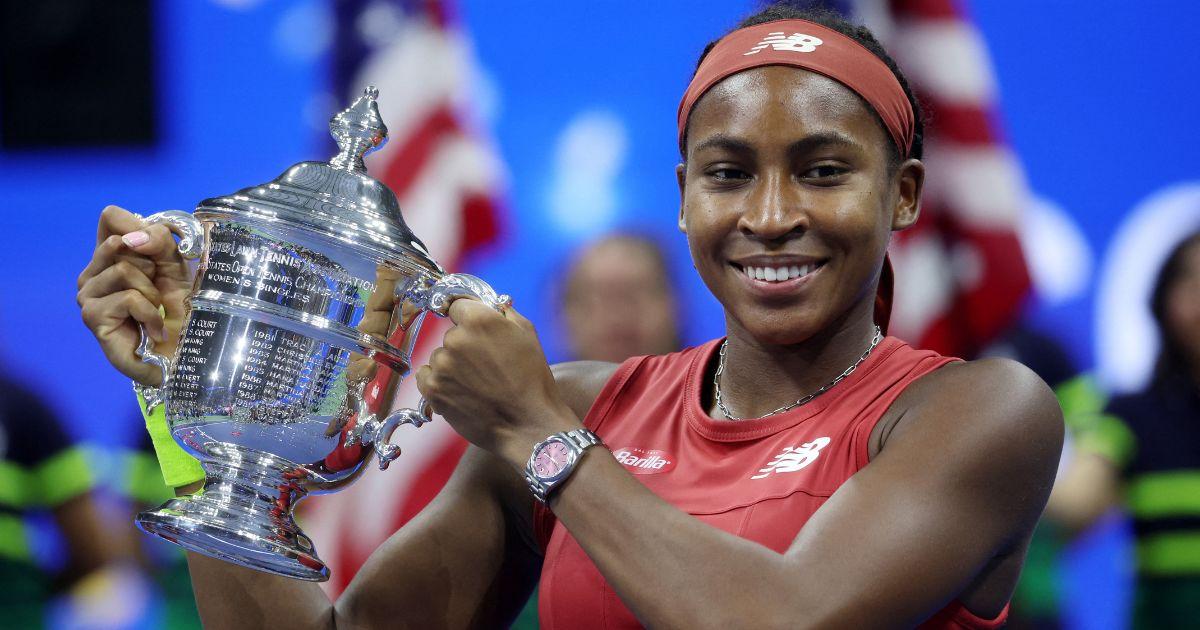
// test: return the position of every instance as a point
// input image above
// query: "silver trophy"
(309, 295)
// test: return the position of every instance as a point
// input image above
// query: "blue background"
(1098, 99)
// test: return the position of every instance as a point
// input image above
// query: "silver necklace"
(824, 388)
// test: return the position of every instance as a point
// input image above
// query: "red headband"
(807, 45)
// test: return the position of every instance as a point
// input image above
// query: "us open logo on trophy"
(309, 296)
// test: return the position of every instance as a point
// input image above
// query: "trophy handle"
(437, 298)
(191, 243)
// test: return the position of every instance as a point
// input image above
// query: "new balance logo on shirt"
(794, 458)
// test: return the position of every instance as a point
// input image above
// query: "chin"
(781, 329)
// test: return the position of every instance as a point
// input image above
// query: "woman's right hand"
(134, 270)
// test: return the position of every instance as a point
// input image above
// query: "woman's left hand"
(491, 382)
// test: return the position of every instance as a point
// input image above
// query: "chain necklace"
(824, 388)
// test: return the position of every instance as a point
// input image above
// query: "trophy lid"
(336, 199)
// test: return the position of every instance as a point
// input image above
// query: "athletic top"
(761, 479)
(1162, 493)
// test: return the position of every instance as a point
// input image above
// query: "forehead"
(617, 258)
(783, 103)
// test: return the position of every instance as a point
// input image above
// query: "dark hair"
(1172, 359)
(814, 12)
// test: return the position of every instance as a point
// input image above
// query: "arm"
(467, 560)
(90, 546)
(462, 562)
(960, 483)
(962, 479)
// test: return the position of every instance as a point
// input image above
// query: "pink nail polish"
(134, 239)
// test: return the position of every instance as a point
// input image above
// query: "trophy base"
(242, 515)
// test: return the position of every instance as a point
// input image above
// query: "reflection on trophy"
(308, 299)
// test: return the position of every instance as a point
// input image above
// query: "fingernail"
(134, 239)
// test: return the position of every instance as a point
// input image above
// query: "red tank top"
(761, 479)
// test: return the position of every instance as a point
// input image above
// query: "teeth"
(778, 274)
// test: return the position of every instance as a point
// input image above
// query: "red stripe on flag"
(962, 124)
(407, 162)
(480, 222)
(927, 9)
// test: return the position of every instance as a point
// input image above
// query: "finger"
(515, 316)
(465, 309)
(122, 275)
(157, 243)
(105, 315)
(107, 253)
(422, 377)
(154, 241)
(118, 221)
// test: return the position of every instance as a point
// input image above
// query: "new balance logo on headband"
(796, 42)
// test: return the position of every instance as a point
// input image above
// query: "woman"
(804, 472)
(1144, 451)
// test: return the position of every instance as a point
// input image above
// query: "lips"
(777, 276)
(780, 273)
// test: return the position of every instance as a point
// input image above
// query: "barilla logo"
(643, 461)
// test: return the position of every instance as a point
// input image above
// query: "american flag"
(448, 181)
(961, 278)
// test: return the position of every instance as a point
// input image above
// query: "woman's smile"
(777, 276)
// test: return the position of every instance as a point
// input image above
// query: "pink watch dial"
(551, 459)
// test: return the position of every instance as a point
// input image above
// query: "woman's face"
(787, 179)
(1182, 312)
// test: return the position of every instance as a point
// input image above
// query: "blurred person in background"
(164, 564)
(42, 470)
(617, 301)
(1144, 452)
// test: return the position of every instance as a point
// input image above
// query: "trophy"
(309, 294)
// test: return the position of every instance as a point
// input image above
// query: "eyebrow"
(808, 143)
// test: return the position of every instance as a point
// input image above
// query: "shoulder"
(989, 410)
(580, 382)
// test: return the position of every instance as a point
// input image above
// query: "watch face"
(551, 459)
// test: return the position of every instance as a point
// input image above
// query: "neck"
(762, 377)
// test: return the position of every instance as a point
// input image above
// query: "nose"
(775, 210)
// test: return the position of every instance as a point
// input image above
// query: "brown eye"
(728, 174)
(825, 171)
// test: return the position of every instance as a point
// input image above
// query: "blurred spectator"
(164, 564)
(618, 301)
(41, 470)
(1150, 442)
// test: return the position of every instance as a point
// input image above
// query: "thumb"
(154, 242)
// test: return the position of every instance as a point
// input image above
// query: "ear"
(681, 177)
(909, 181)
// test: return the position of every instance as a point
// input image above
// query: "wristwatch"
(555, 458)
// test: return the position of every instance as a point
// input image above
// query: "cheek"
(1183, 308)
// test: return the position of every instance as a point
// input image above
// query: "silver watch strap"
(580, 439)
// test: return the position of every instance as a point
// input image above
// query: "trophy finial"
(358, 130)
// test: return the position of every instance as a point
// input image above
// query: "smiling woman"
(806, 470)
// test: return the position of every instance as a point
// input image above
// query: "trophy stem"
(242, 515)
